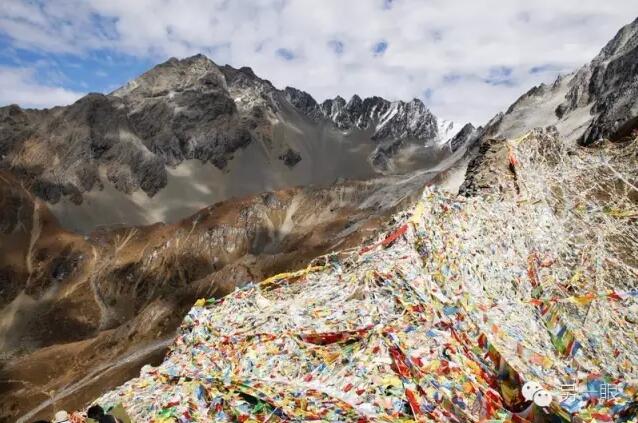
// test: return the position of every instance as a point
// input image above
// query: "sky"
(467, 60)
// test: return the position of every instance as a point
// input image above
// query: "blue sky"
(100, 70)
(466, 59)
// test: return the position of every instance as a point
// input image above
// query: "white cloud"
(17, 85)
(427, 41)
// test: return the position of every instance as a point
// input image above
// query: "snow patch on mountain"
(446, 130)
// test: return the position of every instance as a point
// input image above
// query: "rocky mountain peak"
(595, 102)
(171, 76)
(389, 120)
(608, 86)
(243, 78)
(407, 120)
(338, 103)
(623, 42)
(464, 137)
(302, 101)
(354, 103)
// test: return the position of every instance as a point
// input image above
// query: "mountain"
(595, 102)
(528, 277)
(85, 306)
(446, 130)
(183, 135)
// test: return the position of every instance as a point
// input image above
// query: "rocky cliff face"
(130, 144)
(596, 102)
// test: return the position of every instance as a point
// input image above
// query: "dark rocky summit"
(464, 137)
(388, 120)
